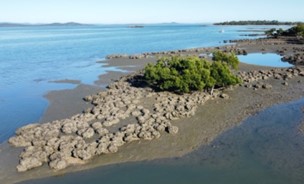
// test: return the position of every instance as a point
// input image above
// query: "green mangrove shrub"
(297, 30)
(186, 74)
(230, 58)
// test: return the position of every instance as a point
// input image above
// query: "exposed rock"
(25, 129)
(86, 133)
(146, 135)
(58, 164)
(113, 148)
(88, 98)
(136, 113)
(118, 140)
(28, 163)
(102, 148)
(69, 128)
(19, 141)
(96, 125)
(172, 129)
(102, 131)
(267, 86)
(224, 96)
(130, 138)
(83, 154)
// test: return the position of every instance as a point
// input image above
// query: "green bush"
(183, 75)
(297, 30)
(221, 73)
(230, 58)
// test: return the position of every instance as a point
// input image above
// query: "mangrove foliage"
(186, 74)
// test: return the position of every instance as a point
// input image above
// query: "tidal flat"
(210, 120)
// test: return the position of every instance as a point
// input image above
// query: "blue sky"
(148, 11)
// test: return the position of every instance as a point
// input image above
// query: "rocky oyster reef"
(120, 115)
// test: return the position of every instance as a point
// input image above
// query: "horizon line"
(132, 23)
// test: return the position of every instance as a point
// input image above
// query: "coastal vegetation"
(183, 75)
(256, 22)
(297, 31)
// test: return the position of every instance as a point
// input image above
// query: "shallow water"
(30, 57)
(264, 59)
(267, 149)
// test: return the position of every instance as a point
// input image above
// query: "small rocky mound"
(296, 59)
(254, 79)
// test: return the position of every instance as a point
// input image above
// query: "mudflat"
(214, 115)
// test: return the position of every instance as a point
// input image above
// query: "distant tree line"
(256, 22)
(297, 31)
(186, 74)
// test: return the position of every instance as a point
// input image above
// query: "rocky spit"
(120, 115)
(230, 48)
(102, 128)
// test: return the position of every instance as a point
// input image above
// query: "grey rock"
(83, 154)
(28, 163)
(224, 96)
(102, 131)
(88, 133)
(19, 141)
(96, 125)
(172, 129)
(69, 128)
(58, 164)
(136, 113)
(267, 86)
(112, 148)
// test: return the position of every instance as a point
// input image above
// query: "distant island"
(6, 24)
(257, 22)
(136, 26)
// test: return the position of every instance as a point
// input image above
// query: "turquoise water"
(266, 149)
(31, 57)
(264, 59)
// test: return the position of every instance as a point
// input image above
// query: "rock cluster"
(296, 58)
(178, 52)
(164, 53)
(100, 129)
(253, 79)
(259, 41)
(126, 56)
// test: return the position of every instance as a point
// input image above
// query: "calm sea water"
(262, 59)
(31, 57)
(265, 149)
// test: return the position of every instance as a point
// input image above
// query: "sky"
(148, 11)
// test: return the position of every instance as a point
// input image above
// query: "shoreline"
(255, 101)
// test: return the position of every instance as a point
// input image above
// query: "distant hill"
(136, 26)
(257, 22)
(66, 24)
(7, 24)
